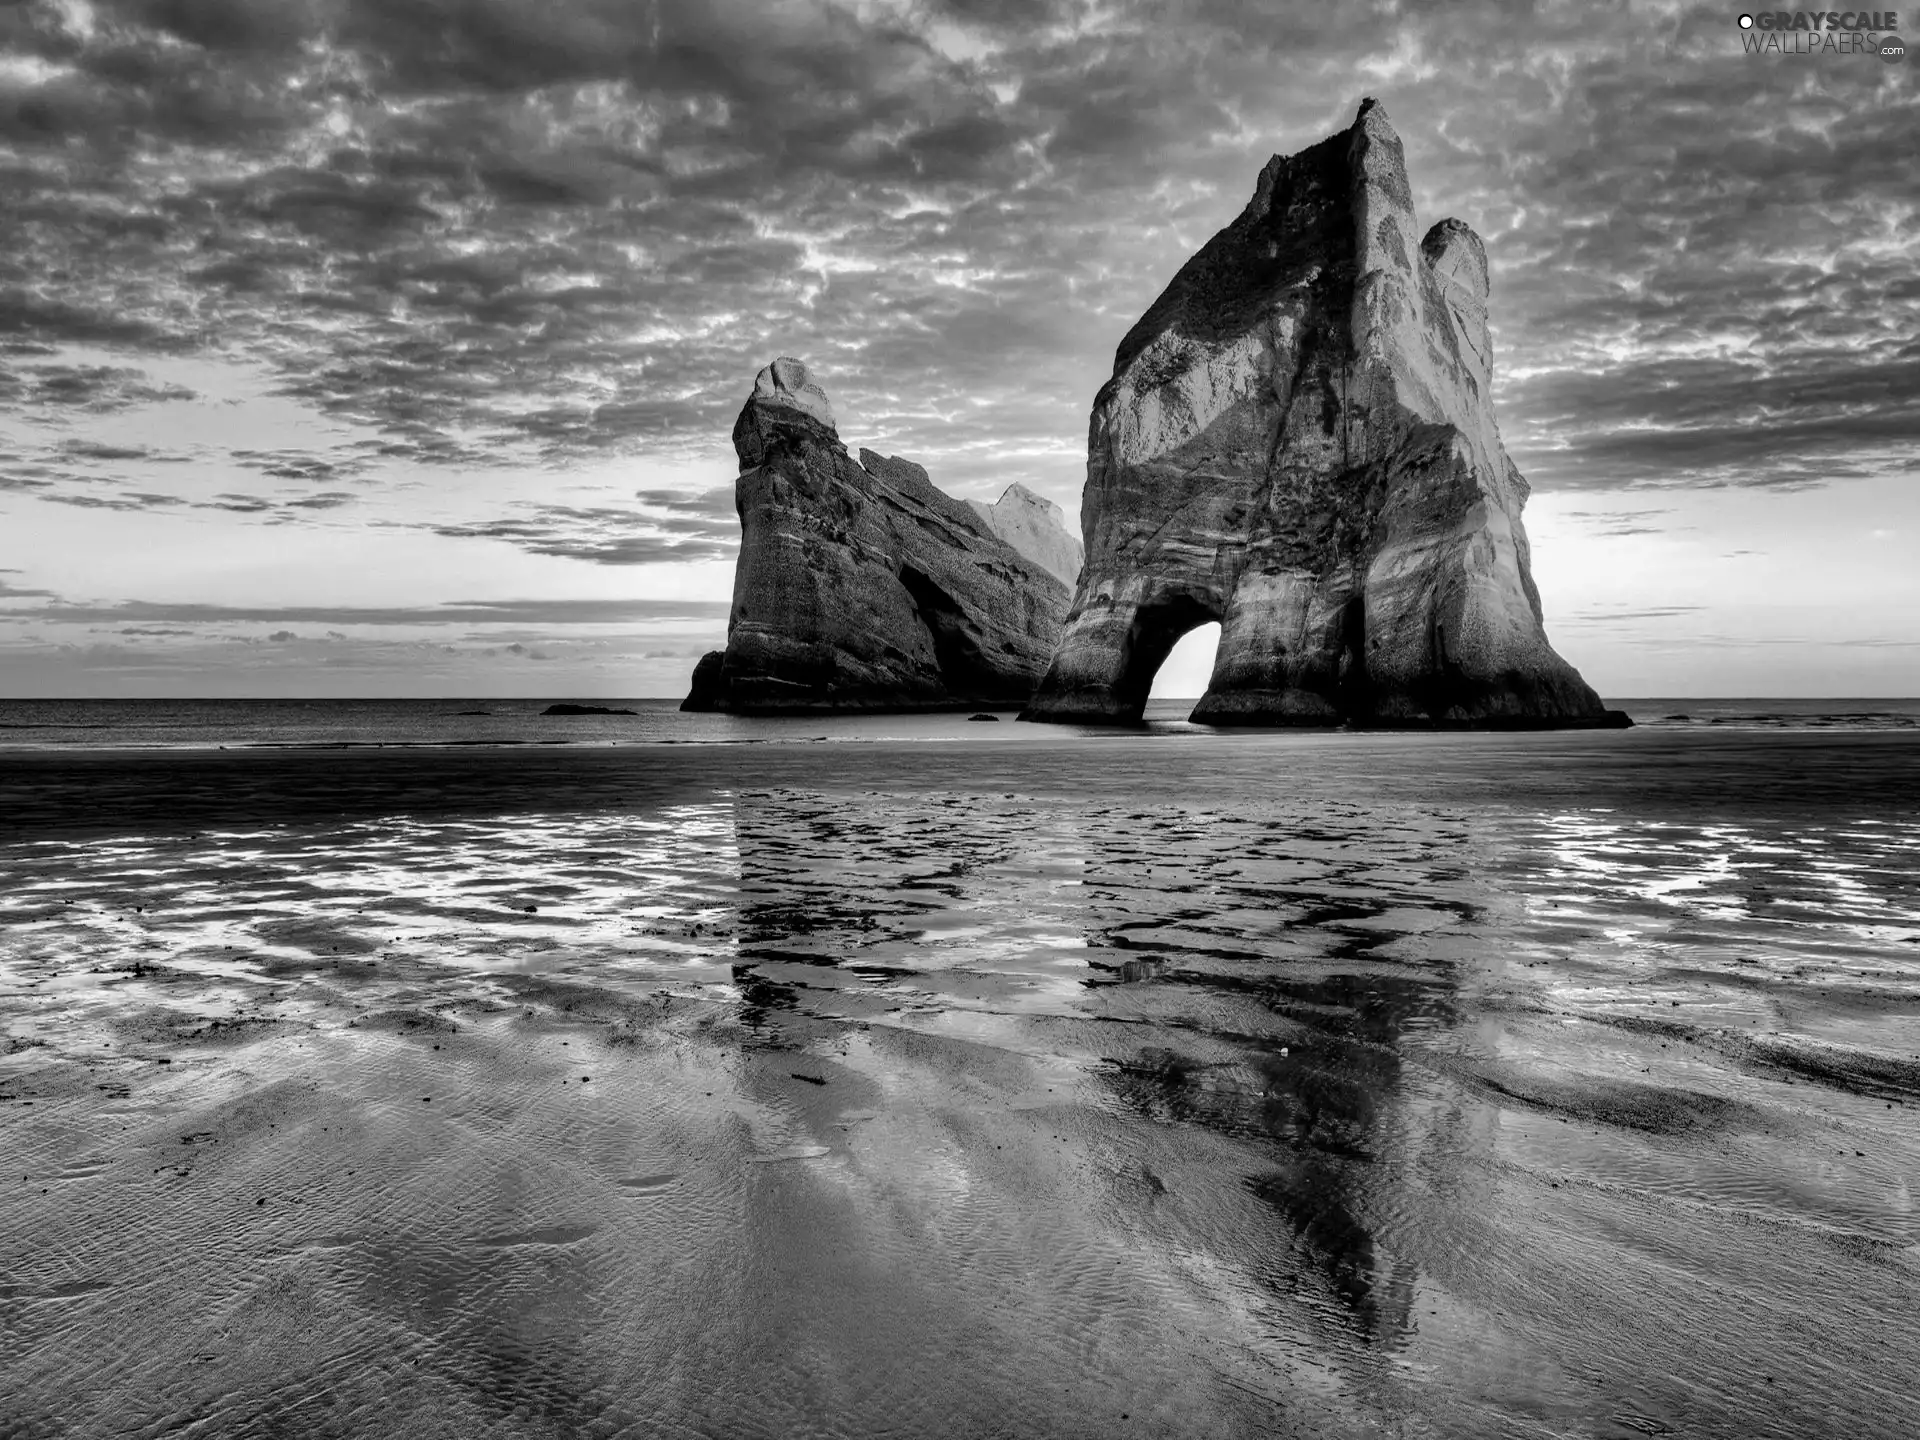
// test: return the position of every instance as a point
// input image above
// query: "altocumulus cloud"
(187, 647)
(497, 231)
(457, 612)
(691, 528)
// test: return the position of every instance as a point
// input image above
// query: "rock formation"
(1298, 442)
(1036, 527)
(860, 586)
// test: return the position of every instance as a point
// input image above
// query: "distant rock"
(707, 690)
(1036, 527)
(983, 716)
(1298, 442)
(860, 585)
(570, 709)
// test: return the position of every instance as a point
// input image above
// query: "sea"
(152, 723)
(447, 1068)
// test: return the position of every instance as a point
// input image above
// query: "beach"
(937, 1079)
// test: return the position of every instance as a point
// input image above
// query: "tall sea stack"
(1298, 442)
(860, 586)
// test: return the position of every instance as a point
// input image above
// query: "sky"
(392, 347)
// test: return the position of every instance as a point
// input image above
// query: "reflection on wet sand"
(916, 1107)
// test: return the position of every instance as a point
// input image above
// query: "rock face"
(860, 586)
(1036, 527)
(1298, 442)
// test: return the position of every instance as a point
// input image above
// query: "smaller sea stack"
(862, 586)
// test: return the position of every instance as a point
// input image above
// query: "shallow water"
(340, 724)
(1169, 1085)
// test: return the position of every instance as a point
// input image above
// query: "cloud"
(1613, 615)
(606, 535)
(300, 464)
(278, 510)
(716, 505)
(56, 389)
(495, 232)
(74, 472)
(1617, 523)
(476, 229)
(95, 475)
(94, 451)
(238, 504)
(10, 591)
(127, 502)
(457, 612)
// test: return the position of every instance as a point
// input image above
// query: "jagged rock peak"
(784, 400)
(1021, 497)
(1037, 528)
(788, 382)
(1457, 255)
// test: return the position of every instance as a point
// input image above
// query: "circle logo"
(1746, 22)
(1892, 49)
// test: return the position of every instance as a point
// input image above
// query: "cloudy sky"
(364, 347)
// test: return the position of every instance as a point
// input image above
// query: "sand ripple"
(788, 1103)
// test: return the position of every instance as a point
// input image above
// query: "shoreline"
(1677, 770)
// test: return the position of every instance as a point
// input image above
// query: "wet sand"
(1336, 1085)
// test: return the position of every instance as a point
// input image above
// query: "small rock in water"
(983, 716)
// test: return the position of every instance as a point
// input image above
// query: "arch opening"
(1188, 668)
(1150, 639)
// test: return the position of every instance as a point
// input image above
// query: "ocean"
(375, 1069)
(146, 723)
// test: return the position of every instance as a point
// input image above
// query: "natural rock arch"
(1157, 625)
(1298, 441)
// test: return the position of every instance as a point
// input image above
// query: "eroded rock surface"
(862, 586)
(1298, 442)
(1036, 527)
